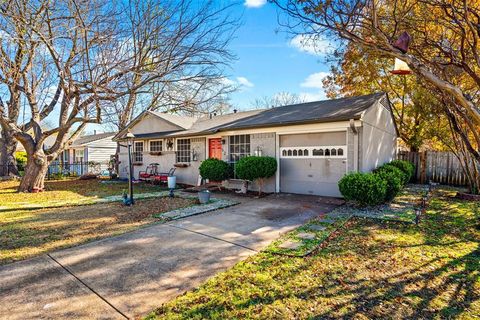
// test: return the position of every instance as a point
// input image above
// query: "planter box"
(180, 165)
(155, 153)
(138, 163)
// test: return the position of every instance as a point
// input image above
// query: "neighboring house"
(88, 150)
(315, 143)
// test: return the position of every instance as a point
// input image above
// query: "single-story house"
(88, 151)
(315, 143)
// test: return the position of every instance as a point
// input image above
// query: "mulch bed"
(144, 209)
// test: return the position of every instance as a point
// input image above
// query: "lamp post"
(130, 136)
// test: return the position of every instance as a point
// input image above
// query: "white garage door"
(313, 163)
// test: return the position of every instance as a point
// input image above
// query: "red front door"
(215, 148)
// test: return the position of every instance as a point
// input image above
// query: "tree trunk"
(8, 146)
(35, 171)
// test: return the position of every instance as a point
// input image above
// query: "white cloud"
(244, 82)
(228, 82)
(254, 3)
(313, 96)
(315, 80)
(312, 44)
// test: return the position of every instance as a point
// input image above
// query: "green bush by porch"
(214, 170)
(256, 169)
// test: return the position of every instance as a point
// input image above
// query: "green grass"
(373, 269)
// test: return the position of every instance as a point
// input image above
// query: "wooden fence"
(441, 167)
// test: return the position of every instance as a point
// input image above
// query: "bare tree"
(277, 100)
(445, 50)
(73, 60)
(184, 46)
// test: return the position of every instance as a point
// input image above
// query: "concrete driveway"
(129, 275)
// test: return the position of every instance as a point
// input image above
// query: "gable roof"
(179, 121)
(342, 109)
(83, 140)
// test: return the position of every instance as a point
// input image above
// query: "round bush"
(366, 189)
(394, 178)
(214, 169)
(407, 167)
(253, 168)
(21, 158)
(390, 168)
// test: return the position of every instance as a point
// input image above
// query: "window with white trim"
(138, 151)
(183, 150)
(239, 147)
(156, 145)
(79, 155)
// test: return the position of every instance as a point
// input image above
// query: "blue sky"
(270, 62)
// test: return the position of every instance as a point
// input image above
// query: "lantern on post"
(400, 68)
(130, 136)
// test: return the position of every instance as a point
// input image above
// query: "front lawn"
(26, 233)
(371, 269)
(36, 223)
(66, 191)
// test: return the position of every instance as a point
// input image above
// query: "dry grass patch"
(26, 233)
(66, 190)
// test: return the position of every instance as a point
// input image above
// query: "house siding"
(188, 175)
(101, 150)
(378, 138)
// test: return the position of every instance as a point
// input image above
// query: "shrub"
(256, 169)
(214, 169)
(394, 178)
(21, 158)
(407, 167)
(366, 189)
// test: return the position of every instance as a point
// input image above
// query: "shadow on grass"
(375, 270)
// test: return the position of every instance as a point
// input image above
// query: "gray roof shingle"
(91, 138)
(310, 112)
(342, 109)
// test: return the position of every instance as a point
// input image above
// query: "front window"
(79, 155)
(183, 150)
(138, 151)
(156, 146)
(239, 147)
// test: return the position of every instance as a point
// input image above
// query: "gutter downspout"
(355, 145)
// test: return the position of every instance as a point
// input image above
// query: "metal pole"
(130, 173)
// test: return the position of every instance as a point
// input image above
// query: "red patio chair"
(163, 176)
(149, 172)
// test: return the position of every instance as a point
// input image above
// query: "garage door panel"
(319, 170)
(311, 173)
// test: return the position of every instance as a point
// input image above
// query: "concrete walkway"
(129, 275)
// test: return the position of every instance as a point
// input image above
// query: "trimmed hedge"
(394, 177)
(367, 189)
(256, 168)
(214, 169)
(407, 167)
